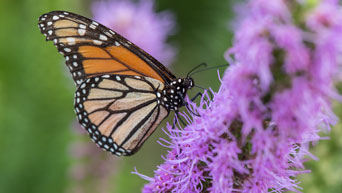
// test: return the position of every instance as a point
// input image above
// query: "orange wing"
(91, 49)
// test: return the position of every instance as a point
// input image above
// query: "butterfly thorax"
(172, 96)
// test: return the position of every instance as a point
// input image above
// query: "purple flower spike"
(139, 23)
(275, 98)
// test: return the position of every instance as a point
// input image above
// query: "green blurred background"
(36, 100)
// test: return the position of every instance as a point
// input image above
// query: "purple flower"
(139, 23)
(325, 23)
(275, 98)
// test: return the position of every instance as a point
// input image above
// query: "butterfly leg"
(191, 111)
(204, 89)
(178, 119)
(186, 104)
(197, 95)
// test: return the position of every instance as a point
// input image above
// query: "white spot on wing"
(71, 41)
(67, 49)
(92, 26)
(108, 34)
(55, 17)
(81, 31)
(82, 26)
(118, 153)
(97, 42)
(103, 37)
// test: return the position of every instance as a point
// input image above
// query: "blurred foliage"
(36, 98)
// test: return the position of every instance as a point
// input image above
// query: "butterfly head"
(188, 82)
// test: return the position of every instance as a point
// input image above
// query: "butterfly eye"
(188, 82)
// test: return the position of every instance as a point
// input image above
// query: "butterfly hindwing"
(119, 111)
(91, 49)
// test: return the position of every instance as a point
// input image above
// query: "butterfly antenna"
(191, 73)
(196, 67)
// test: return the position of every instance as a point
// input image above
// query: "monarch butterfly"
(123, 93)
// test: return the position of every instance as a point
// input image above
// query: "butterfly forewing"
(91, 49)
(119, 111)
